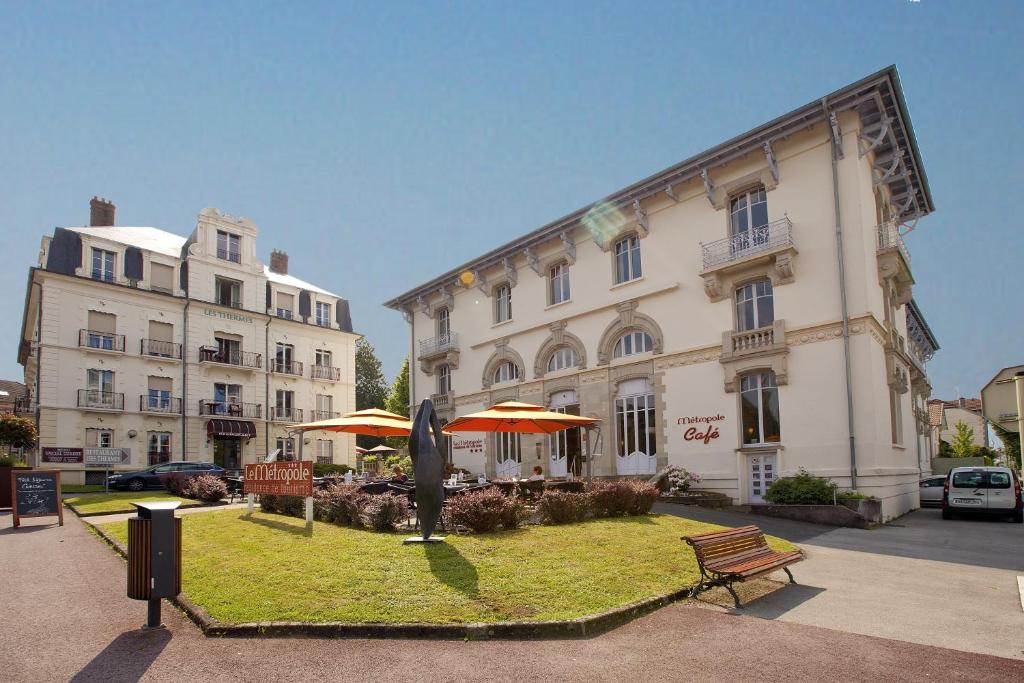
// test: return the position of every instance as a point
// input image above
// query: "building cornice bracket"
(481, 282)
(447, 297)
(709, 187)
(869, 144)
(671, 193)
(406, 314)
(424, 305)
(772, 164)
(569, 245)
(532, 260)
(643, 225)
(511, 274)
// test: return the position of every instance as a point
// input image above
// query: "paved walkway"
(921, 579)
(122, 516)
(67, 618)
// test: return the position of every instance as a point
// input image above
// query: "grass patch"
(81, 488)
(271, 569)
(112, 503)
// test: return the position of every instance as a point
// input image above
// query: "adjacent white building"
(745, 313)
(142, 346)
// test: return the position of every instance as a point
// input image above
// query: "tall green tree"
(371, 387)
(16, 432)
(963, 440)
(398, 397)
(1011, 445)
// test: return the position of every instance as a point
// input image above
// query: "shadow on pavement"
(777, 603)
(126, 658)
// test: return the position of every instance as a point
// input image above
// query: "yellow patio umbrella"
(370, 422)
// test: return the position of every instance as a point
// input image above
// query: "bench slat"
(764, 563)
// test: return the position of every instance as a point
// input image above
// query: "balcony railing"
(160, 349)
(245, 359)
(94, 398)
(775, 235)
(325, 372)
(439, 344)
(889, 238)
(149, 403)
(24, 405)
(228, 255)
(325, 415)
(104, 341)
(285, 414)
(230, 409)
(286, 367)
(752, 340)
(441, 401)
(285, 313)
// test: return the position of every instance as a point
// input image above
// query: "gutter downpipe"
(39, 369)
(412, 373)
(266, 392)
(184, 383)
(836, 152)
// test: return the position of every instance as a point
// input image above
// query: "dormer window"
(229, 247)
(323, 314)
(103, 265)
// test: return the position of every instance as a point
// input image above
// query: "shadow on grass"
(449, 566)
(304, 530)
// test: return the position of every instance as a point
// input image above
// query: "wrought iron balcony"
(285, 313)
(244, 359)
(762, 239)
(160, 349)
(325, 415)
(325, 372)
(102, 400)
(889, 237)
(228, 255)
(286, 367)
(230, 409)
(102, 341)
(151, 403)
(285, 414)
(438, 345)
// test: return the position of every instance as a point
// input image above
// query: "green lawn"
(117, 502)
(80, 488)
(270, 569)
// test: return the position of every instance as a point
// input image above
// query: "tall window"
(896, 417)
(103, 265)
(323, 314)
(228, 292)
(287, 447)
(100, 386)
(748, 219)
(323, 358)
(444, 379)
(324, 406)
(284, 358)
(228, 351)
(507, 454)
(755, 306)
(635, 429)
(627, 260)
(562, 358)
(159, 450)
(503, 303)
(325, 451)
(759, 398)
(227, 398)
(229, 247)
(506, 372)
(159, 397)
(444, 324)
(631, 344)
(559, 278)
(285, 405)
(99, 438)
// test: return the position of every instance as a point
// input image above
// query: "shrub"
(680, 479)
(853, 495)
(339, 504)
(175, 484)
(610, 498)
(483, 511)
(644, 497)
(206, 488)
(11, 461)
(802, 489)
(383, 512)
(293, 506)
(323, 469)
(563, 507)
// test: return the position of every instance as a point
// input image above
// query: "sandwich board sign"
(36, 493)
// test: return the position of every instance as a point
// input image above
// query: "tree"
(944, 450)
(371, 387)
(398, 398)
(963, 440)
(17, 432)
(1011, 444)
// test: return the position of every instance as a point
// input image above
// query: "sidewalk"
(64, 597)
(122, 516)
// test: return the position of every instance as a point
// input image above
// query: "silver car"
(931, 490)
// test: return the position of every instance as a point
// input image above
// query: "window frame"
(627, 260)
(322, 314)
(162, 450)
(444, 379)
(511, 374)
(619, 347)
(235, 301)
(563, 352)
(502, 302)
(559, 284)
(443, 323)
(107, 270)
(753, 300)
(225, 240)
(764, 387)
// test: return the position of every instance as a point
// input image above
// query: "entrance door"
(227, 452)
(507, 455)
(761, 469)
(565, 446)
(636, 451)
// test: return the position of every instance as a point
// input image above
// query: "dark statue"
(428, 466)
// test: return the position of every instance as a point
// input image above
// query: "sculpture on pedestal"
(428, 467)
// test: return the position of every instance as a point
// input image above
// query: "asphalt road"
(948, 583)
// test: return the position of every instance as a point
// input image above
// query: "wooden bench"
(725, 557)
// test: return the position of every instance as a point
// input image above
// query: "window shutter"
(102, 322)
(304, 304)
(133, 263)
(343, 316)
(159, 331)
(286, 301)
(161, 383)
(161, 277)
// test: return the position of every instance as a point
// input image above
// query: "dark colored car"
(155, 477)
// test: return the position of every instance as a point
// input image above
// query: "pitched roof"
(935, 409)
(14, 389)
(150, 239)
(937, 406)
(292, 281)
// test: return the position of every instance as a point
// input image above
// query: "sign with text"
(293, 478)
(107, 457)
(36, 493)
(62, 455)
(701, 428)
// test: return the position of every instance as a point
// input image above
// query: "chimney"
(279, 262)
(101, 212)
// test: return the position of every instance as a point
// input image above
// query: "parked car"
(983, 490)
(155, 477)
(932, 489)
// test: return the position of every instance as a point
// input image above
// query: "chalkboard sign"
(36, 493)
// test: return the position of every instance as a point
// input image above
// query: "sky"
(381, 144)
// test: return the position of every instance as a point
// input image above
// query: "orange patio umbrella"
(370, 422)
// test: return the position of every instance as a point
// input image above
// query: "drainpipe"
(266, 392)
(39, 367)
(184, 383)
(836, 151)
(412, 351)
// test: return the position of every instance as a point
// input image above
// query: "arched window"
(558, 277)
(748, 219)
(759, 403)
(444, 379)
(755, 306)
(506, 372)
(631, 344)
(563, 358)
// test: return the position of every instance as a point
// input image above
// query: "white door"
(1001, 495)
(507, 455)
(561, 443)
(636, 448)
(761, 469)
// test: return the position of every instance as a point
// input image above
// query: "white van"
(983, 490)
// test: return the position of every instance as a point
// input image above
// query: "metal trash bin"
(154, 556)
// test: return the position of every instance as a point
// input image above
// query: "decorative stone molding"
(892, 268)
(727, 268)
(568, 245)
(559, 338)
(775, 362)
(719, 194)
(504, 394)
(629, 320)
(511, 274)
(533, 260)
(502, 353)
(570, 383)
(641, 370)
(746, 351)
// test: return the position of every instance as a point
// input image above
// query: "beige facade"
(141, 346)
(946, 414)
(700, 315)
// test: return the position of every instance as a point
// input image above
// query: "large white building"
(745, 313)
(142, 346)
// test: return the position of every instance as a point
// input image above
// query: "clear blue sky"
(436, 131)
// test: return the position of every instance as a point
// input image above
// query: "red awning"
(231, 428)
